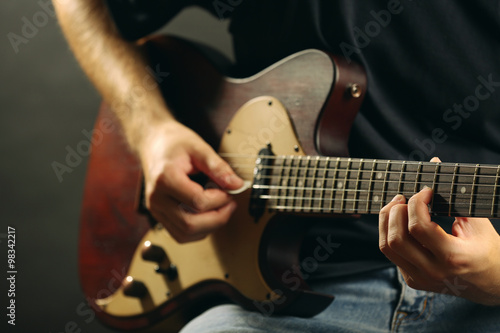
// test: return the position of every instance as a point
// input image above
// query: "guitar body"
(302, 105)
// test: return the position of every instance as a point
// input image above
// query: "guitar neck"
(305, 184)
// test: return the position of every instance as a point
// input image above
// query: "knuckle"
(395, 241)
(384, 214)
(384, 247)
(200, 202)
(415, 228)
(185, 210)
(413, 198)
(399, 208)
(412, 203)
(188, 227)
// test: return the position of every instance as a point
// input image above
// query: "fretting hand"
(465, 263)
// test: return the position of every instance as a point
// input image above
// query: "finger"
(186, 225)
(468, 228)
(402, 243)
(420, 226)
(383, 224)
(176, 232)
(202, 224)
(384, 217)
(208, 162)
(435, 160)
(178, 185)
(163, 215)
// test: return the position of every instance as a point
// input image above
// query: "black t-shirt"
(433, 78)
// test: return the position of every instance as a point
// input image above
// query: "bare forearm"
(169, 151)
(116, 67)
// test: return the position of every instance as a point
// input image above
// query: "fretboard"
(305, 184)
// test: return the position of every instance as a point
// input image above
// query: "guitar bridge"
(261, 181)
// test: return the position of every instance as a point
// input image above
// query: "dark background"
(46, 103)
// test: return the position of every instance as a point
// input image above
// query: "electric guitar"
(275, 129)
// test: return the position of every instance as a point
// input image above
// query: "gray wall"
(46, 103)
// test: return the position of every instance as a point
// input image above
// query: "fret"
(276, 182)
(452, 187)
(402, 171)
(334, 185)
(301, 183)
(434, 179)
(329, 209)
(356, 191)
(350, 185)
(417, 176)
(285, 182)
(308, 185)
(347, 171)
(436, 172)
(292, 185)
(316, 184)
(370, 187)
(384, 185)
(472, 189)
(495, 192)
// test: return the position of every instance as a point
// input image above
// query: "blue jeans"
(377, 301)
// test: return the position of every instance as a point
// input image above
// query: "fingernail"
(398, 197)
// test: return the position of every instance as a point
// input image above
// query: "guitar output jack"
(354, 90)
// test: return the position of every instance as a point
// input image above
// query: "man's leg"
(426, 312)
(363, 303)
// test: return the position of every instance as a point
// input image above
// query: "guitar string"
(371, 210)
(353, 200)
(486, 207)
(287, 168)
(482, 210)
(354, 191)
(248, 168)
(362, 208)
(356, 210)
(325, 169)
(358, 160)
(388, 181)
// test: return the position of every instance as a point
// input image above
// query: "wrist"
(143, 125)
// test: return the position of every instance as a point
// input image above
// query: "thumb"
(468, 227)
(217, 169)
